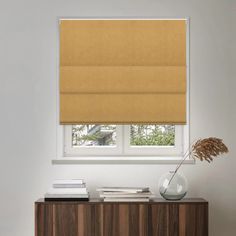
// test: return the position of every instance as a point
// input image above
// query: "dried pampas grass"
(208, 148)
(203, 149)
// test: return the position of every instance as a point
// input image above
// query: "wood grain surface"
(121, 219)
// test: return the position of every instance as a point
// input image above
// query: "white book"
(47, 195)
(68, 181)
(127, 195)
(67, 191)
(126, 199)
(124, 189)
(69, 185)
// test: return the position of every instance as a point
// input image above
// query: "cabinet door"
(75, 220)
(123, 220)
(44, 220)
(193, 220)
(66, 220)
(178, 220)
(87, 218)
(163, 220)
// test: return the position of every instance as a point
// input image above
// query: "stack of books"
(67, 190)
(125, 194)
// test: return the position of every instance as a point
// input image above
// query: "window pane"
(152, 135)
(93, 135)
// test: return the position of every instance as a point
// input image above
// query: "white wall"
(28, 59)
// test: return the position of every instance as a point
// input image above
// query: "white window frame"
(123, 147)
(65, 154)
(176, 150)
(70, 151)
(122, 153)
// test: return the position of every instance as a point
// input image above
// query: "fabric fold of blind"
(123, 71)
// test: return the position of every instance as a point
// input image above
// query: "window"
(121, 143)
(93, 135)
(123, 140)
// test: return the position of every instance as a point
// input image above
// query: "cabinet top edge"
(100, 201)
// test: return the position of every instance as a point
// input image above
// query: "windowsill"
(120, 160)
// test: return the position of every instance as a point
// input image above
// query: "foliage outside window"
(140, 135)
(153, 135)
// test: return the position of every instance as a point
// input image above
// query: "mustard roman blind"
(123, 71)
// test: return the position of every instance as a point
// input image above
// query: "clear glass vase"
(173, 186)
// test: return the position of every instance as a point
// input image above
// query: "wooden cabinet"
(188, 217)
